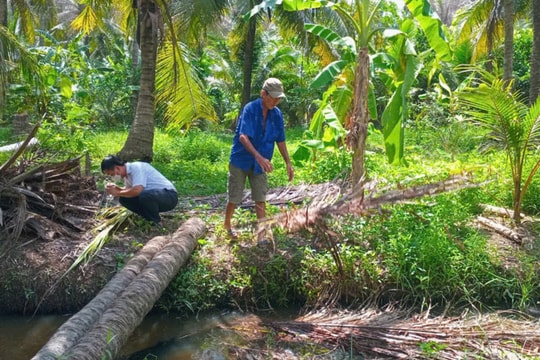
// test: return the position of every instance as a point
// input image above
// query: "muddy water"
(163, 337)
(22, 337)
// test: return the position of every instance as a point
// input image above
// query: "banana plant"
(349, 103)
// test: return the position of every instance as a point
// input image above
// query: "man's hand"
(118, 191)
(290, 172)
(112, 189)
(265, 164)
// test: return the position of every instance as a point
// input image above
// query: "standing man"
(260, 126)
(146, 192)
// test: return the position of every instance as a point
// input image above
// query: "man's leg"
(132, 204)
(259, 189)
(229, 211)
(260, 210)
(152, 202)
(236, 182)
(167, 200)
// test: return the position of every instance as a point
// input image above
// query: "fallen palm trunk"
(18, 145)
(500, 229)
(500, 211)
(104, 325)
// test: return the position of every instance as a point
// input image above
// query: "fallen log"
(18, 145)
(504, 212)
(500, 229)
(105, 324)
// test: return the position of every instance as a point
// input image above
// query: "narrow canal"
(160, 336)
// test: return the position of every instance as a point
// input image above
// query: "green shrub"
(198, 287)
(425, 254)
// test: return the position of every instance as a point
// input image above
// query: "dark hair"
(110, 162)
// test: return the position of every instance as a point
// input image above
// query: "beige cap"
(274, 88)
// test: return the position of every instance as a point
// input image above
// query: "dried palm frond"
(12, 220)
(397, 335)
(115, 216)
(362, 199)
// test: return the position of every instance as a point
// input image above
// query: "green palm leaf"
(511, 125)
(178, 87)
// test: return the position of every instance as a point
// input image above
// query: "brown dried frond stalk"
(12, 217)
(361, 200)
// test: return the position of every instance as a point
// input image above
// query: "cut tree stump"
(104, 325)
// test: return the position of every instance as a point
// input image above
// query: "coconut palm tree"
(140, 141)
(166, 73)
(513, 127)
(485, 23)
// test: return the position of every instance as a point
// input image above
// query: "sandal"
(232, 234)
(263, 242)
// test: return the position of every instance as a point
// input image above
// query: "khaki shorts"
(237, 184)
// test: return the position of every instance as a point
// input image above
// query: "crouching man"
(146, 192)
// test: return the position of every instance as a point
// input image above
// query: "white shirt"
(144, 174)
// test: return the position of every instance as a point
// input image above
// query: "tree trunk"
(489, 42)
(249, 49)
(3, 21)
(140, 140)
(534, 86)
(517, 199)
(135, 50)
(103, 326)
(359, 118)
(3, 12)
(508, 11)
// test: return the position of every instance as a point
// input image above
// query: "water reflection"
(21, 337)
(160, 336)
(167, 337)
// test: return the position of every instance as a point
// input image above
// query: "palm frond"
(127, 17)
(532, 121)
(491, 104)
(477, 21)
(180, 90)
(119, 215)
(26, 19)
(116, 217)
(193, 19)
(89, 19)
(15, 56)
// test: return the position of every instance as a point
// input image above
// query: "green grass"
(197, 163)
